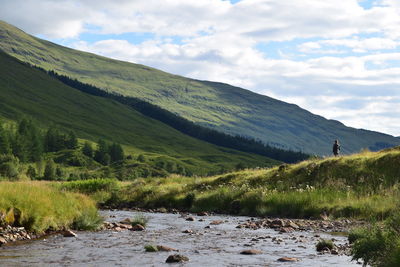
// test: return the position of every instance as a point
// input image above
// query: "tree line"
(241, 143)
(26, 142)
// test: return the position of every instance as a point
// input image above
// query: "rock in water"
(288, 259)
(137, 227)
(165, 248)
(126, 221)
(202, 213)
(2, 241)
(176, 258)
(216, 222)
(251, 252)
(191, 219)
(69, 233)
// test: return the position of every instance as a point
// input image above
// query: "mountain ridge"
(216, 105)
(25, 91)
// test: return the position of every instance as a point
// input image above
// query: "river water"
(219, 245)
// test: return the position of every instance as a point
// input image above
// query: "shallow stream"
(219, 245)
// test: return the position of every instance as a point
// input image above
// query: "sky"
(337, 59)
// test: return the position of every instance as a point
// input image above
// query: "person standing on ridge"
(336, 148)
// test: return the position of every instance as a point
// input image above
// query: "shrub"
(324, 244)
(89, 219)
(140, 219)
(378, 245)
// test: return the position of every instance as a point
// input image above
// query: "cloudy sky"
(337, 58)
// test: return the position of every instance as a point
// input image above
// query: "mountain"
(220, 106)
(26, 91)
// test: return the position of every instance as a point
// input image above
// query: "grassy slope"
(39, 207)
(217, 105)
(24, 90)
(363, 186)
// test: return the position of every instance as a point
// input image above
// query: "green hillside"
(221, 106)
(25, 91)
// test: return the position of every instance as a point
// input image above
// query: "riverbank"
(31, 209)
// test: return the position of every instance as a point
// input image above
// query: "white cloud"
(349, 57)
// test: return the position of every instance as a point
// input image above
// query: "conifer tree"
(87, 149)
(5, 146)
(72, 141)
(49, 171)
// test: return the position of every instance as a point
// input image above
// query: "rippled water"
(219, 245)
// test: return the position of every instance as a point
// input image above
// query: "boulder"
(137, 227)
(126, 221)
(69, 233)
(288, 259)
(216, 222)
(176, 258)
(286, 230)
(165, 248)
(202, 213)
(2, 241)
(250, 252)
(190, 219)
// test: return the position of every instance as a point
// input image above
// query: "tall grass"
(38, 207)
(360, 186)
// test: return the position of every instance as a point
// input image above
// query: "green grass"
(39, 207)
(227, 108)
(324, 244)
(364, 186)
(24, 90)
(140, 219)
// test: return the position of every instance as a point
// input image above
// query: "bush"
(378, 245)
(324, 244)
(89, 219)
(140, 219)
(91, 186)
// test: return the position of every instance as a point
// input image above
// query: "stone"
(334, 252)
(126, 221)
(216, 222)
(187, 231)
(2, 241)
(137, 227)
(288, 259)
(190, 219)
(202, 213)
(292, 225)
(165, 248)
(286, 230)
(176, 258)
(278, 222)
(69, 233)
(251, 252)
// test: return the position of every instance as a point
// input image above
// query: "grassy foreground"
(364, 186)
(39, 207)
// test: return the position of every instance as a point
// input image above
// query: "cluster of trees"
(105, 153)
(241, 143)
(28, 142)
(25, 142)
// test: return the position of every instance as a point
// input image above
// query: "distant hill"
(25, 91)
(215, 105)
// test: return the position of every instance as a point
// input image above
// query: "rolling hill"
(220, 106)
(26, 91)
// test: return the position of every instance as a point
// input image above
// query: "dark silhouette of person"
(336, 148)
